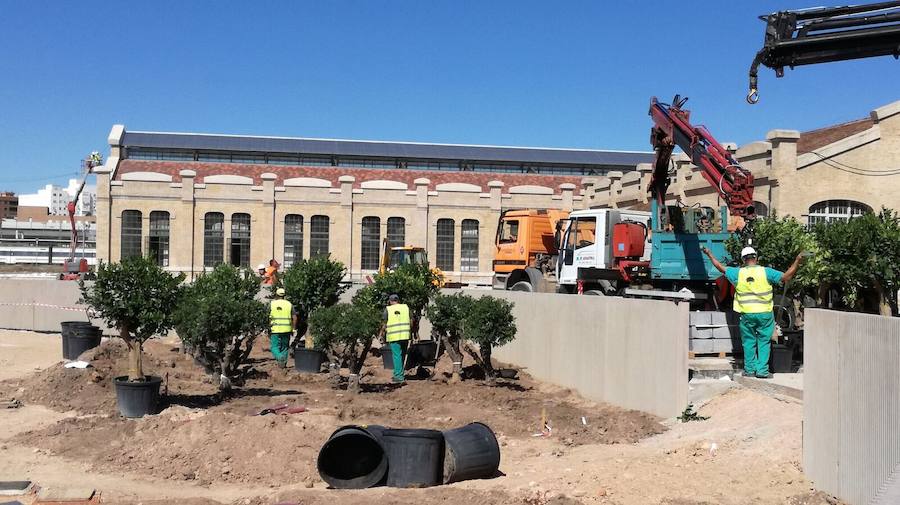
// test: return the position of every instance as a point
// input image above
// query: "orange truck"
(526, 254)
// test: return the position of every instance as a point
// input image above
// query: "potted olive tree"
(488, 323)
(346, 331)
(219, 318)
(138, 298)
(447, 314)
(310, 285)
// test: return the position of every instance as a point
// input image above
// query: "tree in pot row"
(219, 318)
(139, 299)
(312, 284)
(346, 331)
(474, 326)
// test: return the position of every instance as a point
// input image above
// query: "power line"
(869, 172)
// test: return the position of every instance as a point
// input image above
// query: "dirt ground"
(208, 448)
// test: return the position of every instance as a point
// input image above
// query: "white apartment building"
(55, 198)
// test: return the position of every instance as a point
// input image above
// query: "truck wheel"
(563, 289)
(595, 292)
(522, 286)
(783, 309)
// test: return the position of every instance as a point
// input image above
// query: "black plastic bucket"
(387, 357)
(422, 353)
(66, 330)
(472, 452)
(137, 399)
(353, 458)
(781, 358)
(415, 457)
(308, 360)
(82, 339)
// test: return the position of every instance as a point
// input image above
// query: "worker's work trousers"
(279, 343)
(756, 335)
(398, 351)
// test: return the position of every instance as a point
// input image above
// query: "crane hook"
(753, 96)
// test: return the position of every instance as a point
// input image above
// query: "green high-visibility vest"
(753, 293)
(280, 312)
(397, 327)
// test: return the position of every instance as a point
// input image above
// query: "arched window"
(445, 243)
(762, 210)
(370, 244)
(131, 233)
(396, 232)
(831, 210)
(293, 239)
(158, 244)
(213, 239)
(240, 240)
(468, 247)
(318, 236)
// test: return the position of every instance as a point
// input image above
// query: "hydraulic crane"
(71, 269)
(672, 127)
(825, 34)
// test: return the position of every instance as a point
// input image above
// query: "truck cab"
(600, 247)
(526, 249)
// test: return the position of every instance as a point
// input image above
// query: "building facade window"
(131, 233)
(293, 239)
(831, 210)
(371, 237)
(239, 251)
(213, 239)
(158, 241)
(468, 246)
(318, 236)
(396, 232)
(445, 244)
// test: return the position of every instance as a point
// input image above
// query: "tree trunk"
(884, 303)
(489, 372)
(451, 344)
(485, 365)
(135, 364)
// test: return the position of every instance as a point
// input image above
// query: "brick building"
(9, 205)
(194, 200)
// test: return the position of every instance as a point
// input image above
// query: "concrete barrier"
(851, 406)
(39, 304)
(626, 352)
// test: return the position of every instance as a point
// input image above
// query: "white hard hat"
(260, 267)
(747, 251)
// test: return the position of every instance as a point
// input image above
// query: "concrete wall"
(39, 304)
(851, 405)
(626, 352)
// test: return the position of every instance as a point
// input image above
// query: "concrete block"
(702, 332)
(703, 345)
(718, 318)
(701, 318)
(722, 345)
(723, 332)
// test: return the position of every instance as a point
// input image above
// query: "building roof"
(381, 149)
(812, 140)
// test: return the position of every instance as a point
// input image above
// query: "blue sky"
(532, 73)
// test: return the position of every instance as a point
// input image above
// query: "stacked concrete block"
(713, 332)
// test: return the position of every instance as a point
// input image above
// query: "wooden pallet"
(721, 354)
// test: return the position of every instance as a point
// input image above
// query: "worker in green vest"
(753, 301)
(396, 332)
(282, 322)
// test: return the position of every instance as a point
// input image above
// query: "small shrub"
(219, 318)
(138, 298)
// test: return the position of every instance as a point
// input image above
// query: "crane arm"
(821, 35)
(672, 127)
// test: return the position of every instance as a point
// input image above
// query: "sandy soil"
(206, 448)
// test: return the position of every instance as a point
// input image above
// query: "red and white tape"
(44, 305)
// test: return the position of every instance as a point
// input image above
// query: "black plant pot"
(137, 399)
(308, 360)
